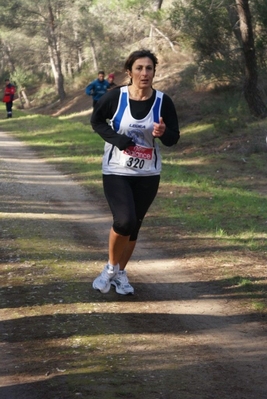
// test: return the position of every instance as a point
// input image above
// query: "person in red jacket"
(9, 97)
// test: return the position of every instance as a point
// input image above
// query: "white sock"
(115, 268)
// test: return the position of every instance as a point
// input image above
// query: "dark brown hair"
(139, 54)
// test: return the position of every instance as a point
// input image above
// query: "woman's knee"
(125, 226)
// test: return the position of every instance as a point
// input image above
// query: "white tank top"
(144, 159)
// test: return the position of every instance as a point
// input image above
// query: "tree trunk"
(92, 46)
(7, 55)
(157, 5)
(58, 76)
(25, 103)
(55, 58)
(234, 21)
(251, 91)
(80, 59)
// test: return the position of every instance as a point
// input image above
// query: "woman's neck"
(139, 94)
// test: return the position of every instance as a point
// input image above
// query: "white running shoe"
(121, 283)
(102, 282)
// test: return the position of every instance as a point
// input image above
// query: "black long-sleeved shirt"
(107, 106)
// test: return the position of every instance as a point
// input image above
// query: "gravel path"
(195, 343)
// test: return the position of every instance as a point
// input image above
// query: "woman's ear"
(129, 74)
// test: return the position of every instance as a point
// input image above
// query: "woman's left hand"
(159, 128)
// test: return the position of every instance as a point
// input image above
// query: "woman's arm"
(104, 110)
(169, 115)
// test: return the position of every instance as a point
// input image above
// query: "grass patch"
(206, 187)
(249, 289)
(211, 209)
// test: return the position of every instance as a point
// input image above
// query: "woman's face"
(142, 73)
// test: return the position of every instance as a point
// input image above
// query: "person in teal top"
(97, 87)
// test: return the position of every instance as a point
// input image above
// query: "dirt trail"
(178, 337)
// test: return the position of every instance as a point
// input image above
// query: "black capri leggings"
(129, 198)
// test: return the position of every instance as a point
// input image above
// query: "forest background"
(212, 62)
(50, 48)
(198, 319)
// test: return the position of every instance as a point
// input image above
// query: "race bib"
(137, 157)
